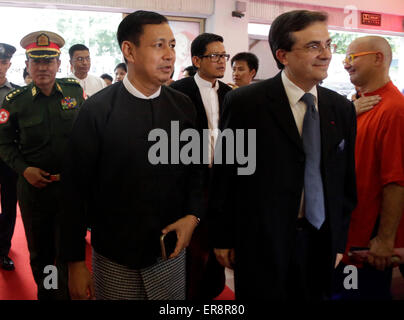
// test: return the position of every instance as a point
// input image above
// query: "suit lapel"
(328, 123)
(197, 99)
(278, 105)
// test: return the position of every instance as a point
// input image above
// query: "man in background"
(8, 178)
(245, 68)
(80, 62)
(107, 79)
(205, 277)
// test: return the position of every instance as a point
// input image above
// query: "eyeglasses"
(82, 59)
(215, 57)
(349, 59)
(317, 48)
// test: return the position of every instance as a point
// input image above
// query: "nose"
(169, 53)
(325, 53)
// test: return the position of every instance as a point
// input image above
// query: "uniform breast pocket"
(69, 114)
(68, 117)
(33, 131)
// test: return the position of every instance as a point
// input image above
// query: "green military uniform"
(34, 132)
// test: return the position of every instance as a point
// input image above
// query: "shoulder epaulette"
(69, 81)
(15, 93)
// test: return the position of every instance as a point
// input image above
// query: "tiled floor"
(397, 288)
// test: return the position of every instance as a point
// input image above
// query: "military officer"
(8, 178)
(35, 123)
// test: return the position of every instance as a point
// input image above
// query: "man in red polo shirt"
(376, 222)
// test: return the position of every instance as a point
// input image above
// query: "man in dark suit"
(284, 227)
(205, 277)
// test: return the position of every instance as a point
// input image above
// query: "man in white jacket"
(80, 62)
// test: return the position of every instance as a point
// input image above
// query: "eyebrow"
(318, 42)
(223, 52)
(164, 39)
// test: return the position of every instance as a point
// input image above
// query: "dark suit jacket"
(256, 214)
(189, 87)
(205, 277)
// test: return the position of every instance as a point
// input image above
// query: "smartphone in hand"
(168, 242)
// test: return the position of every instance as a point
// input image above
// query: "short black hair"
(199, 44)
(106, 76)
(250, 58)
(121, 65)
(77, 47)
(280, 36)
(131, 28)
(191, 70)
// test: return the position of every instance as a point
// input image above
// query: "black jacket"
(109, 173)
(256, 214)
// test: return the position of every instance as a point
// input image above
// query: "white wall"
(267, 65)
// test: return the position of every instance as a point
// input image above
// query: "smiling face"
(361, 69)
(207, 69)
(306, 67)
(152, 62)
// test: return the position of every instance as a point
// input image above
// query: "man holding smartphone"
(108, 173)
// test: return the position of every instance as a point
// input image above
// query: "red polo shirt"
(379, 161)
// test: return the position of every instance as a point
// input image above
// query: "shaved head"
(375, 43)
(369, 70)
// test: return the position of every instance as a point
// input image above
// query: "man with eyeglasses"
(80, 62)
(205, 277)
(379, 153)
(283, 228)
(35, 124)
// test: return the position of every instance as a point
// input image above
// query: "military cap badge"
(42, 44)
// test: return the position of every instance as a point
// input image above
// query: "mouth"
(321, 66)
(166, 69)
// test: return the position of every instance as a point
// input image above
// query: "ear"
(281, 56)
(253, 73)
(129, 51)
(196, 61)
(379, 58)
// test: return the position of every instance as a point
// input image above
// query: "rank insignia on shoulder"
(72, 80)
(4, 115)
(68, 103)
(13, 94)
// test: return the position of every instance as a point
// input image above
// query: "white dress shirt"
(91, 84)
(210, 101)
(294, 94)
(132, 90)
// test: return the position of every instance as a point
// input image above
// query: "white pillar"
(233, 30)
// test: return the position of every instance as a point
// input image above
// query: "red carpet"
(19, 284)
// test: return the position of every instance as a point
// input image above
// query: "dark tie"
(313, 185)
